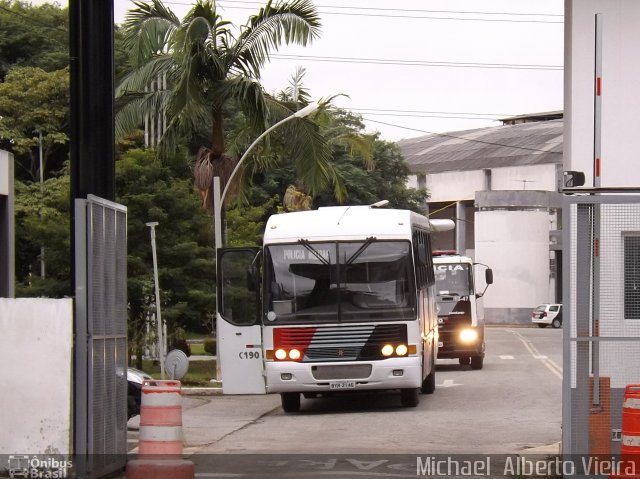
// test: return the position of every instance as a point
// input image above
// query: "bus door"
(239, 331)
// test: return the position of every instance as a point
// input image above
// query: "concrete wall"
(462, 185)
(620, 99)
(36, 350)
(534, 177)
(6, 168)
(515, 244)
(454, 185)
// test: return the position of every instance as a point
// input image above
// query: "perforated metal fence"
(101, 337)
(602, 318)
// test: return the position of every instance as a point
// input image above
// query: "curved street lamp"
(218, 199)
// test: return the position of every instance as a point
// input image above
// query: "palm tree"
(340, 130)
(208, 70)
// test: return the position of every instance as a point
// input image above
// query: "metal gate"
(602, 319)
(101, 337)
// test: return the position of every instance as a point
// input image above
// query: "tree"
(162, 191)
(43, 220)
(35, 36)
(209, 70)
(370, 169)
(34, 102)
(388, 181)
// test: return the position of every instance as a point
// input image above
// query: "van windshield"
(338, 281)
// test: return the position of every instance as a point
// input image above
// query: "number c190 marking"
(249, 355)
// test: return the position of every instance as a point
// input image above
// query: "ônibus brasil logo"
(38, 467)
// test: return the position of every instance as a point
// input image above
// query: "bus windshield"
(332, 282)
(453, 279)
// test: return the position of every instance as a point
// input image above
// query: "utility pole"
(152, 225)
(41, 157)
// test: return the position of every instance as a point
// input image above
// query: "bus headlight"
(387, 350)
(281, 354)
(294, 354)
(468, 336)
(402, 350)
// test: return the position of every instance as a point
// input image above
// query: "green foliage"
(36, 36)
(246, 224)
(42, 219)
(210, 346)
(369, 169)
(387, 181)
(200, 373)
(155, 190)
(33, 101)
(212, 70)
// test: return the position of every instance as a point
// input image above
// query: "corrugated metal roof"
(498, 146)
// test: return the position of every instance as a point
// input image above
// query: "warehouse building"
(500, 185)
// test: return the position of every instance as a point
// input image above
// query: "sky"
(411, 67)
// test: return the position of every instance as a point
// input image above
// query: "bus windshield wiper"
(364, 246)
(313, 251)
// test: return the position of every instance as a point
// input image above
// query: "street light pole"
(218, 202)
(40, 157)
(152, 225)
(218, 199)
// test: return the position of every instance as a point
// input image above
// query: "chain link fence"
(602, 318)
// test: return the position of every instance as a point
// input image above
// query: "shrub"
(179, 341)
(210, 346)
(182, 345)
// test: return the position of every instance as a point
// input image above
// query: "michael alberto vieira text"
(522, 466)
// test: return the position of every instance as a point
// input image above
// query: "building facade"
(500, 185)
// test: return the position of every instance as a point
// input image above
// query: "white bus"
(344, 300)
(460, 312)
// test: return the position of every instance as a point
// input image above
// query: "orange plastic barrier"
(160, 435)
(630, 449)
(160, 419)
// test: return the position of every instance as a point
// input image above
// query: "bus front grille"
(341, 343)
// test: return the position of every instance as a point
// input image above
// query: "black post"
(92, 151)
(92, 105)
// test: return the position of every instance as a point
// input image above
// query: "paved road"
(514, 403)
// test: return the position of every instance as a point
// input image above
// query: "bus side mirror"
(488, 276)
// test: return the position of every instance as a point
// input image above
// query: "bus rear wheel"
(290, 402)
(410, 397)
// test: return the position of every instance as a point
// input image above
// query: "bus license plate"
(342, 385)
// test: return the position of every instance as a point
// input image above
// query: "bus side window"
(431, 278)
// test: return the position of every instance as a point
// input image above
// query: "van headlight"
(468, 336)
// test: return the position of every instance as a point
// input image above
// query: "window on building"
(632, 277)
